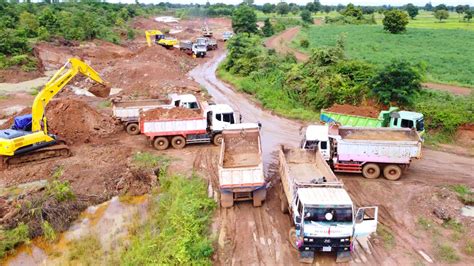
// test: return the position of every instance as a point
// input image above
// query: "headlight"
(342, 240)
(311, 240)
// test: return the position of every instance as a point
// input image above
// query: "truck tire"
(292, 237)
(133, 129)
(178, 142)
(371, 171)
(259, 196)
(283, 201)
(161, 143)
(217, 140)
(392, 172)
(227, 200)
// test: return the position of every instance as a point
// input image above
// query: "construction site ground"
(413, 211)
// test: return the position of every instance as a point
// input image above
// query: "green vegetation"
(447, 253)
(395, 21)
(465, 193)
(86, 250)
(177, 230)
(441, 52)
(426, 224)
(48, 231)
(306, 16)
(60, 190)
(412, 10)
(105, 104)
(267, 28)
(9, 239)
(387, 236)
(469, 247)
(441, 14)
(244, 19)
(150, 161)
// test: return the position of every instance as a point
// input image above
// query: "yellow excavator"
(160, 38)
(28, 139)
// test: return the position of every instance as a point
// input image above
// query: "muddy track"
(281, 43)
(249, 235)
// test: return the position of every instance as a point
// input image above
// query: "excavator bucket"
(100, 90)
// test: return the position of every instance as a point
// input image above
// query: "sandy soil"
(367, 111)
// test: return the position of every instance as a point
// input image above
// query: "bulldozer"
(160, 38)
(28, 139)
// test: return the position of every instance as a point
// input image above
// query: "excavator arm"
(149, 34)
(54, 85)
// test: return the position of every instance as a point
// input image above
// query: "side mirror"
(359, 216)
(298, 219)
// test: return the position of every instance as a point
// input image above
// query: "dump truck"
(128, 112)
(189, 126)
(240, 167)
(198, 50)
(393, 118)
(370, 151)
(212, 44)
(206, 31)
(323, 214)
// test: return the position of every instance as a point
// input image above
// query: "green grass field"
(446, 54)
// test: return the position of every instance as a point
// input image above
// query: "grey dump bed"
(306, 166)
(374, 134)
(241, 150)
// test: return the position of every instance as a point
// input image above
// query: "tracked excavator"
(160, 38)
(28, 139)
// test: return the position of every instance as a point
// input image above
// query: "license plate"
(327, 249)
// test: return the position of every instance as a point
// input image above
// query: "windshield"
(420, 125)
(311, 145)
(328, 215)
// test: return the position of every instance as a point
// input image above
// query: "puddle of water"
(109, 222)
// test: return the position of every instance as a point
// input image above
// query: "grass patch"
(268, 91)
(442, 51)
(447, 253)
(177, 230)
(386, 236)
(469, 247)
(146, 160)
(4, 96)
(425, 223)
(465, 193)
(9, 239)
(105, 104)
(86, 250)
(48, 231)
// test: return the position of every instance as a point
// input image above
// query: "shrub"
(48, 231)
(267, 28)
(146, 160)
(441, 14)
(244, 54)
(395, 21)
(304, 43)
(13, 43)
(244, 19)
(11, 238)
(306, 16)
(396, 83)
(60, 190)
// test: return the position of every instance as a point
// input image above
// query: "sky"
(324, 2)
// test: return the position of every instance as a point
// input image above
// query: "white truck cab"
(188, 101)
(316, 137)
(220, 116)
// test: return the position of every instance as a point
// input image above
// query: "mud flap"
(306, 257)
(343, 256)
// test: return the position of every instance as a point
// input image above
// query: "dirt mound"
(465, 136)
(173, 113)
(368, 111)
(15, 75)
(76, 122)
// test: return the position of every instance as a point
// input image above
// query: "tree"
(352, 11)
(249, 2)
(468, 15)
(441, 14)
(306, 16)
(412, 10)
(267, 8)
(29, 23)
(267, 28)
(327, 9)
(282, 8)
(395, 21)
(245, 54)
(396, 83)
(460, 9)
(429, 7)
(295, 9)
(244, 19)
(441, 7)
(316, 6)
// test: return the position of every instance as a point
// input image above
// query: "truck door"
(324, 149)
(366, 221)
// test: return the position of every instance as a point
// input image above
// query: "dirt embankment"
(366, 111)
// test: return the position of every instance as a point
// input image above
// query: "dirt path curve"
(280, 43)
(258, 236)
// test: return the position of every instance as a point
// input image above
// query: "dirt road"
(281, 43)
(250, 235)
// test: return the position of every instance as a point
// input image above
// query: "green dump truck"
(391, 118)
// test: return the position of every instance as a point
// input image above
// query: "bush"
(60, 190)
(244, 19)
(244, 54)
(441, 14)
(396, 83)
(13, 43)
(267, 28)
(304, 43)
(9, 239)
(395, 21)
(306, 16)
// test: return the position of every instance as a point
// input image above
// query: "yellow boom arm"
(54, 85)
(150, 33)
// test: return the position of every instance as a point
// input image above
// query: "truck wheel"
(283, 201)
(178, 142)
(371, 171)
(217, 140)
(133, 129)
(161, 143)
(292, 237)
(259, 196)
(392, 172)
(227, 200)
